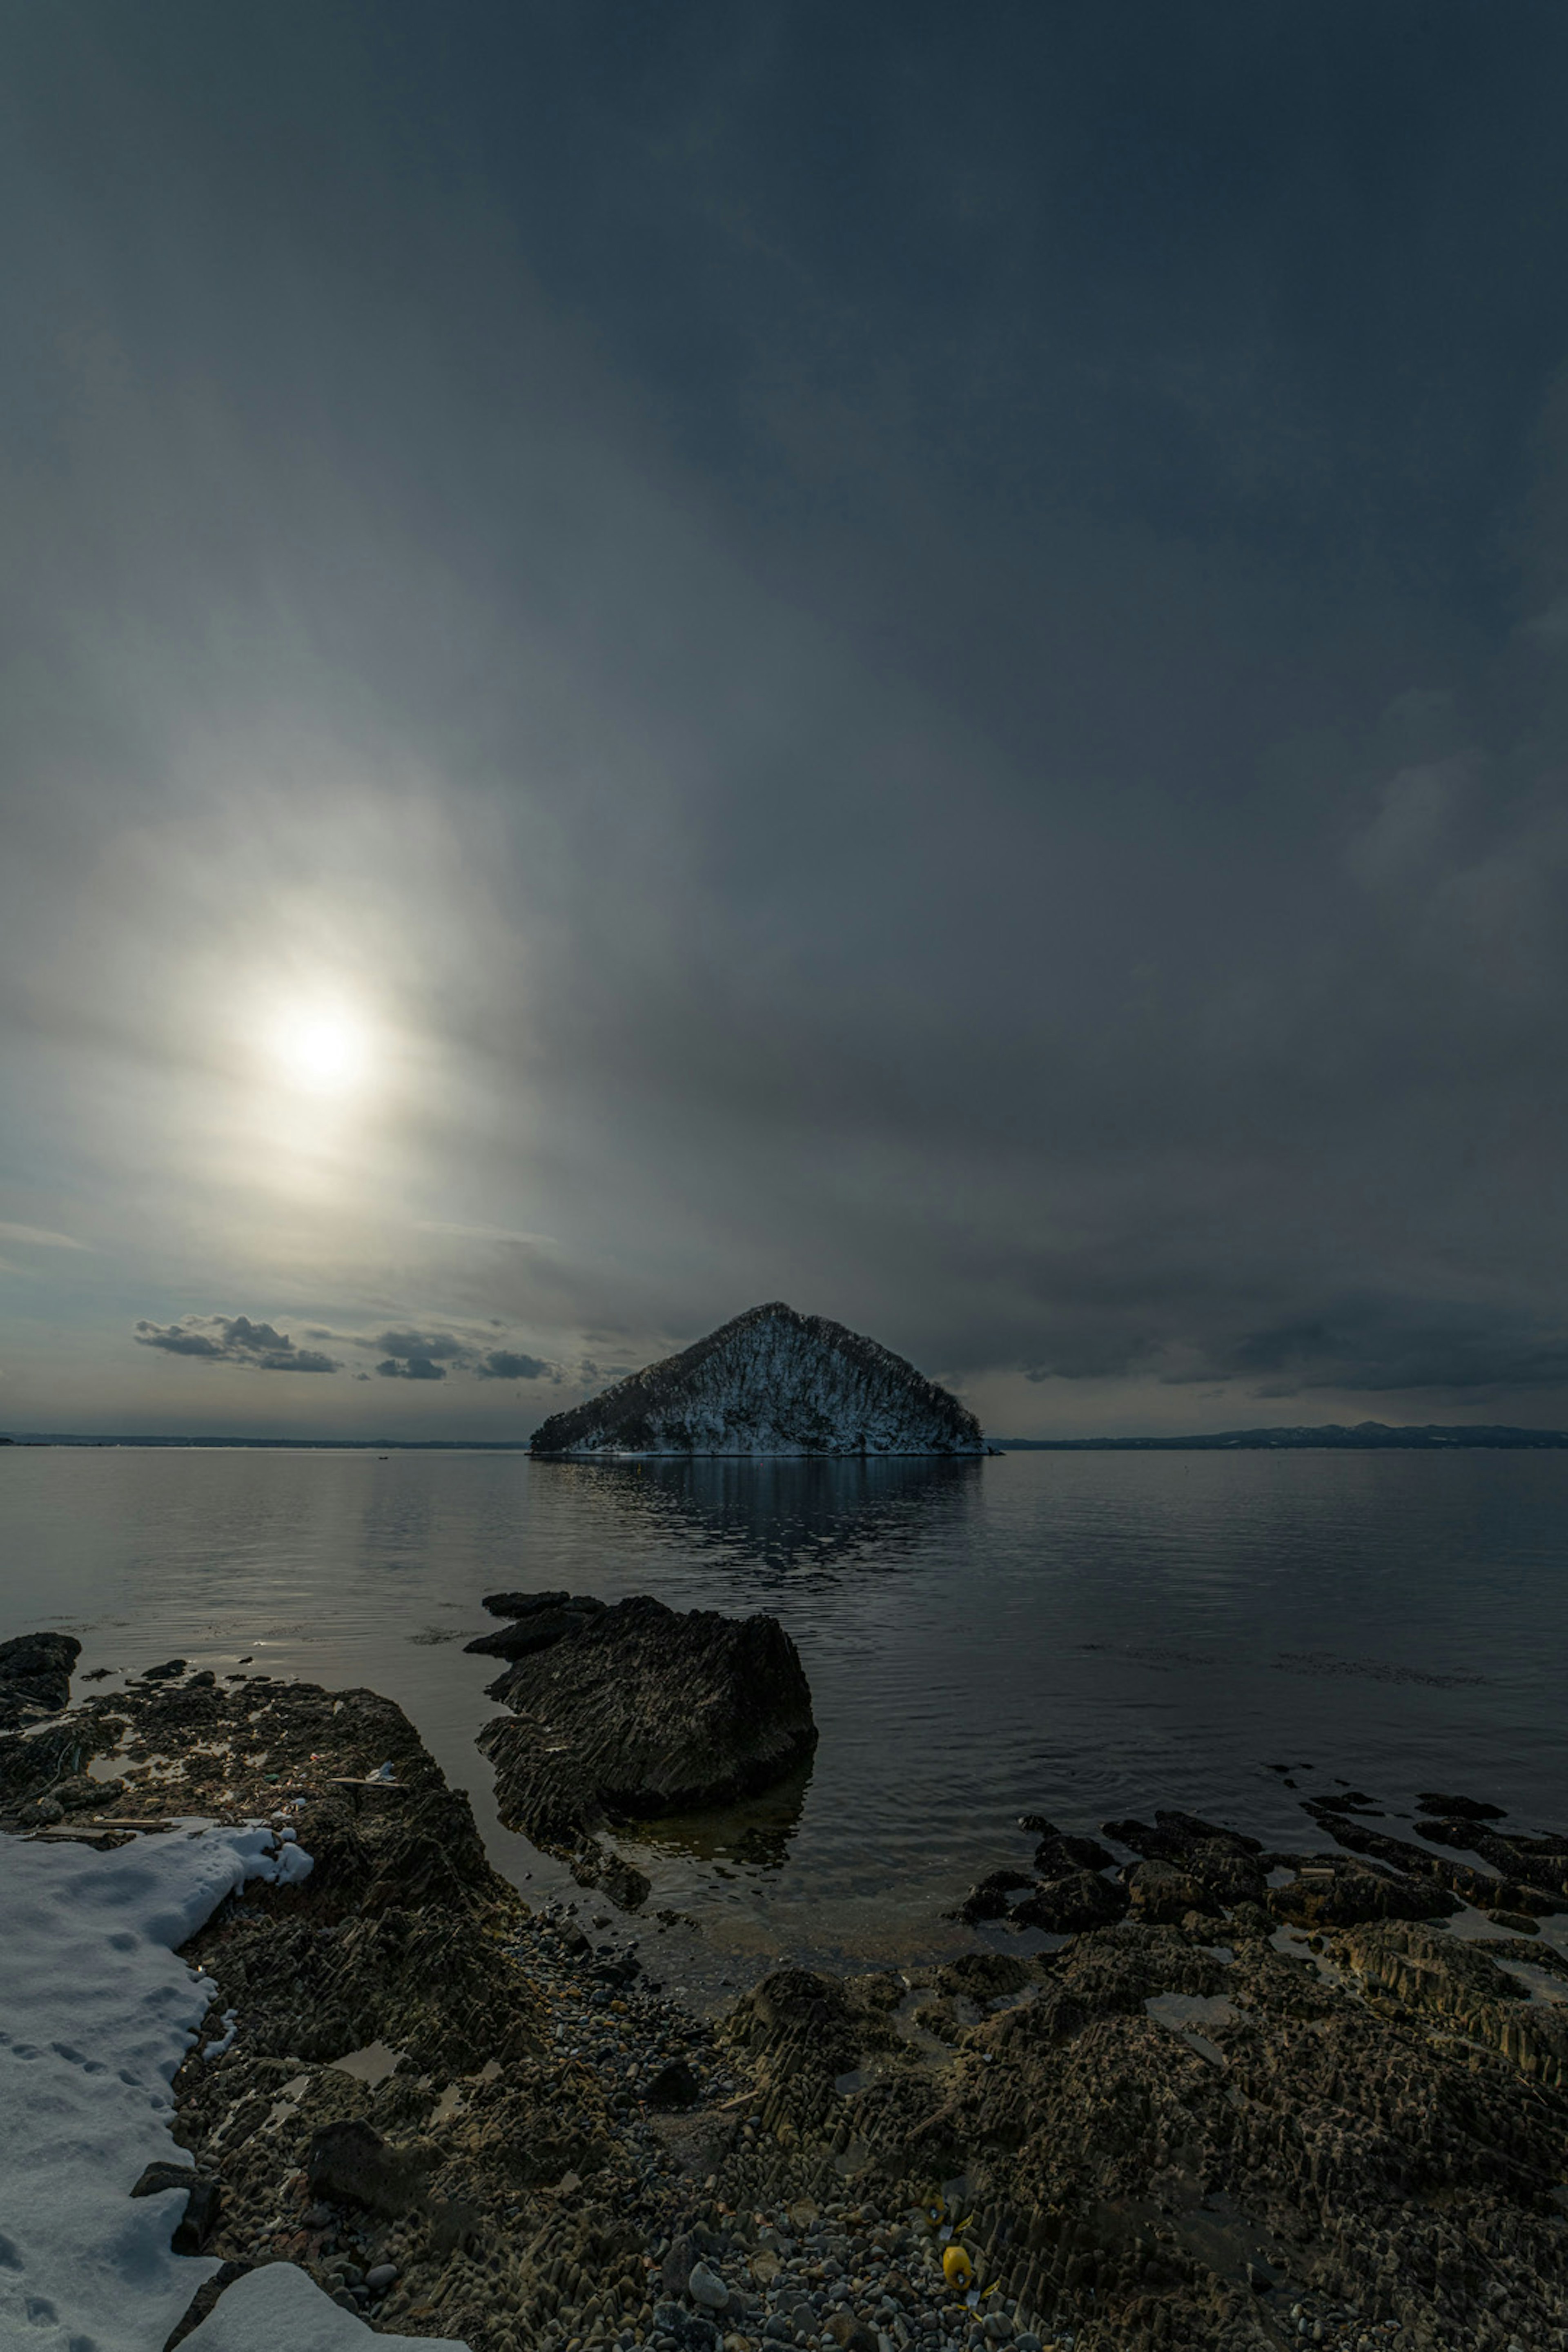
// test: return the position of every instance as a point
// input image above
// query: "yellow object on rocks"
(956, 2267)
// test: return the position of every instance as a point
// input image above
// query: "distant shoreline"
(291, 1444)
(1367, 1436)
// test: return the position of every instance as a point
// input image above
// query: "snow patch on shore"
(95, 2015)
(279, 2307)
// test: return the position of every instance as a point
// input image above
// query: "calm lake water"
(1074, 1634)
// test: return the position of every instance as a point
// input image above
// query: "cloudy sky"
(914, 659)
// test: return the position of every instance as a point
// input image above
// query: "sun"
(322, 1049)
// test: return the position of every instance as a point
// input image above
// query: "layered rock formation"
(770, 1383)
(637, 1710)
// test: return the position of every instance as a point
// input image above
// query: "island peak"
(771, 1381)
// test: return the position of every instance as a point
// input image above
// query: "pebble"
(706, 2287)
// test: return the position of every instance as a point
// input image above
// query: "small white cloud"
(38, 1237)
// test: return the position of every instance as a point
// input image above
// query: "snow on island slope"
(97, 2013)
(770, 1383)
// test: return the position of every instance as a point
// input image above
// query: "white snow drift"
(96, 2015)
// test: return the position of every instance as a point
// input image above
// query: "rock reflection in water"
(754, 1834)
(792, 1515)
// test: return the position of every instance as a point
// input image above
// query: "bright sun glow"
(322, 1049)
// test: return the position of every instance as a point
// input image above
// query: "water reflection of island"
(794, 1514)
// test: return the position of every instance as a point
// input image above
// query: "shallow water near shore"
(1079, 1635)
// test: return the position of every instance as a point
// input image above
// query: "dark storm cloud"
(927, 659)
(234, 1340)
(501, 1364)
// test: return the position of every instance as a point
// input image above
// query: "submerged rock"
(770, 1383)
(644, 1711)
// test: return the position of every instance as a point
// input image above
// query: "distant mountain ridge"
(1431, 1436)
(772, 1382)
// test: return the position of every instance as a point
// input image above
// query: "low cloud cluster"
(430, 1356)
(234, 1340)
(406, 1355)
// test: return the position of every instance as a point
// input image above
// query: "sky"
(909, 658)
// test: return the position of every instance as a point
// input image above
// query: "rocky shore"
(1278, 2099)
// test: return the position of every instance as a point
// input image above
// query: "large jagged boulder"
(641, 1711)
(770, 1383)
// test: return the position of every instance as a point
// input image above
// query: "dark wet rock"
(988, 1897)
(705, 2287)
(1469, 1885)
(1228, 1876)
(1172, 1836)
(675, 2086)
(523, 1604)
(1331, 1891)
(1077, 1900)
(985, 1975)
(1470, 1809)
(1330, 1811)
(156, 2178)
(619, 1970)
(1194, 1830)
(628, 1888)
(80, 1793)
(682, 2256)
(200, 2219)
(538, 1630)
(643, 1711)
(772, 1382)
(1161, 1895)
(457, 2227)
(689, 2330)
(351, 2164)
(33, 1764)
(168, 1671)
(35, 1675)
(1524, 1862)
(1060, 1852)
(204, 2202)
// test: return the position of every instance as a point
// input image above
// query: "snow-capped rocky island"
(770, 1383)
